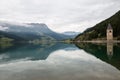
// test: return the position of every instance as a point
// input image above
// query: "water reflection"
(58, 61)
(31, 52)
(108, 52)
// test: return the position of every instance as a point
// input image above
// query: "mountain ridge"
(31, 31)
(99, 30)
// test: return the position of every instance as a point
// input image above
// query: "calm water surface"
(58, 61)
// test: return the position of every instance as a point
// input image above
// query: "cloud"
(59, 15)
(3, 28)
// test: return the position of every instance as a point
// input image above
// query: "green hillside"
(99, 30)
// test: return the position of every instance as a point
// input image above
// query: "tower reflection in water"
(110, 50)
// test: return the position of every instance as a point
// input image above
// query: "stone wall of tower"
(109, 34)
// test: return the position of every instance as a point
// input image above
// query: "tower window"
(110, 31)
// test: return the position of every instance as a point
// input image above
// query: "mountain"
(72, 34)
(29, 31)
(99, 30)
(9, 35)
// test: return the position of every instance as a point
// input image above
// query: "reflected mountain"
(31, 52)
(108, 52)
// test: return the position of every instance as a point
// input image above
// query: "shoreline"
(98, 41)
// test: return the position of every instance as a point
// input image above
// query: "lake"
(59, 61)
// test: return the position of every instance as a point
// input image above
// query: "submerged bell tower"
(109, 33)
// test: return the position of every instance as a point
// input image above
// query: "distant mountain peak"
(71, 33)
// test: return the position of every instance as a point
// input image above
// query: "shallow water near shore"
(59, 61)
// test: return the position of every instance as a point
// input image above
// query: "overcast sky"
(59, 15)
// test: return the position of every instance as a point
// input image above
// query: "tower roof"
(109, 26)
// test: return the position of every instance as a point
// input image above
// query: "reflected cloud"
(59, 65)
(3, 56)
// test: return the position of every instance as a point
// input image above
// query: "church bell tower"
(109, 33)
